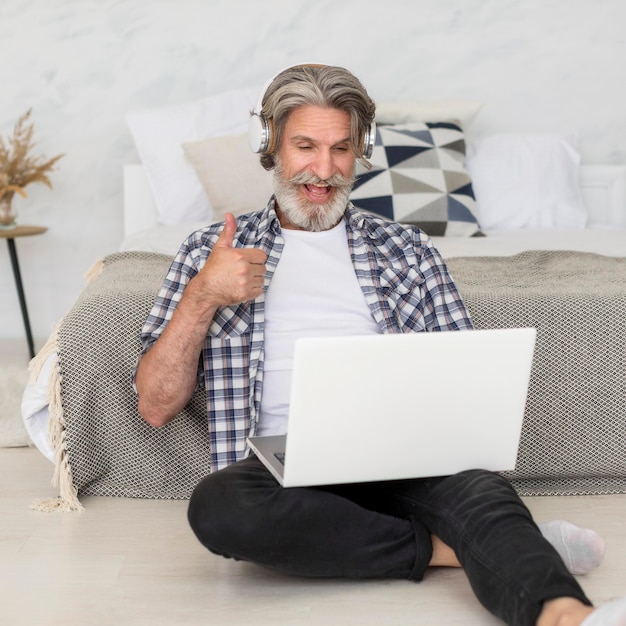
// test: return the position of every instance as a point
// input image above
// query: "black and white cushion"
(418, 177)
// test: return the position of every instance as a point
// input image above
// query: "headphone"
(261, 135)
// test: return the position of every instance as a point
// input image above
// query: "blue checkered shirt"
(403, 278)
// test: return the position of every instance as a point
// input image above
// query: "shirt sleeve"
(444, 308)
(184, 267)
(181, 271)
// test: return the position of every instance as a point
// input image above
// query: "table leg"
(20, 293)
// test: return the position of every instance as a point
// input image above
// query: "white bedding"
(611, 242)
(507, 243)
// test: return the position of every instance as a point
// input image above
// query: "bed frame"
(603, 188)
(573, 440)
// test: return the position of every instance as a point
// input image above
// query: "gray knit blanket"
(103, 446)
(574, 432)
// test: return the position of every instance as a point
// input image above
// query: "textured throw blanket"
(574, 433)
(102, 445)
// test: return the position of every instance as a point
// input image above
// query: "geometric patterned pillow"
(418, 177)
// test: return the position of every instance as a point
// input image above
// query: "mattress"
(167, 240)
(507, 243)
(573, 436)
(611, 242)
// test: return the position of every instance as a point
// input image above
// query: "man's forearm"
(167, 373)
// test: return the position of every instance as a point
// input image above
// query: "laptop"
(384, 407)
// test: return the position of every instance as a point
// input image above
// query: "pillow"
(418, 177)
(159, 135)
(407, 112)
(230, 174)
(526, 181)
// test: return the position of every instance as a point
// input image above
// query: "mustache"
(309, 178)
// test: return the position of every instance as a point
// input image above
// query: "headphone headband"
(261, 135)
(258, 107)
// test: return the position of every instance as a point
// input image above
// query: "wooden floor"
(136, 562)
(125, 561)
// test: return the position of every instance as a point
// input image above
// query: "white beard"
(310, 215)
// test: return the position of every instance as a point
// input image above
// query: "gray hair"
(317, 85)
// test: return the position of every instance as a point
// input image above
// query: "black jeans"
(382, 530)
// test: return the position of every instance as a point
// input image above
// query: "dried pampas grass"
(18, 168)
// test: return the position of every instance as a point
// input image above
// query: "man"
(236, 298)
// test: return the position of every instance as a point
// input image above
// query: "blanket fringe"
(55, 505)
(62, 477)
(95, 270)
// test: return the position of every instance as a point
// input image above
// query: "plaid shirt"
(404, 280)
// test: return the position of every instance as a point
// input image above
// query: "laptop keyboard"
(280, 456)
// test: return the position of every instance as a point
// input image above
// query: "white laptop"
(383, 407)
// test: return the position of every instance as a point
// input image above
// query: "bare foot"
(443, 554)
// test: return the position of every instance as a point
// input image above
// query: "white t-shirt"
(314, 292)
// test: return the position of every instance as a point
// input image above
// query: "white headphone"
(261, 135)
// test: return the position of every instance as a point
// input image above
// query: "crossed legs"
(385, 530)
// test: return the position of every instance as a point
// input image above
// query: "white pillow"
(161, 239)
(230, 173)
(463, 111)
(526, 180)
(159, 135)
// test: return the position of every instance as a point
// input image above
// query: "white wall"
(538, 65)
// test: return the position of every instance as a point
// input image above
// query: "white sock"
(611, 614)
(582, 549)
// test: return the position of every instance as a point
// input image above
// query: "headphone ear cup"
(259, 134)
(369, 140)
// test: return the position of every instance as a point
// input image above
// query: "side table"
(10, 235)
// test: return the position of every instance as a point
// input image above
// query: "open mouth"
(318, 192)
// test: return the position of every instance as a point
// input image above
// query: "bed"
(531, 237)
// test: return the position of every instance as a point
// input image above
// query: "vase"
(7, 211)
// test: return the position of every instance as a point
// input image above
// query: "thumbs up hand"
(230, 275)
